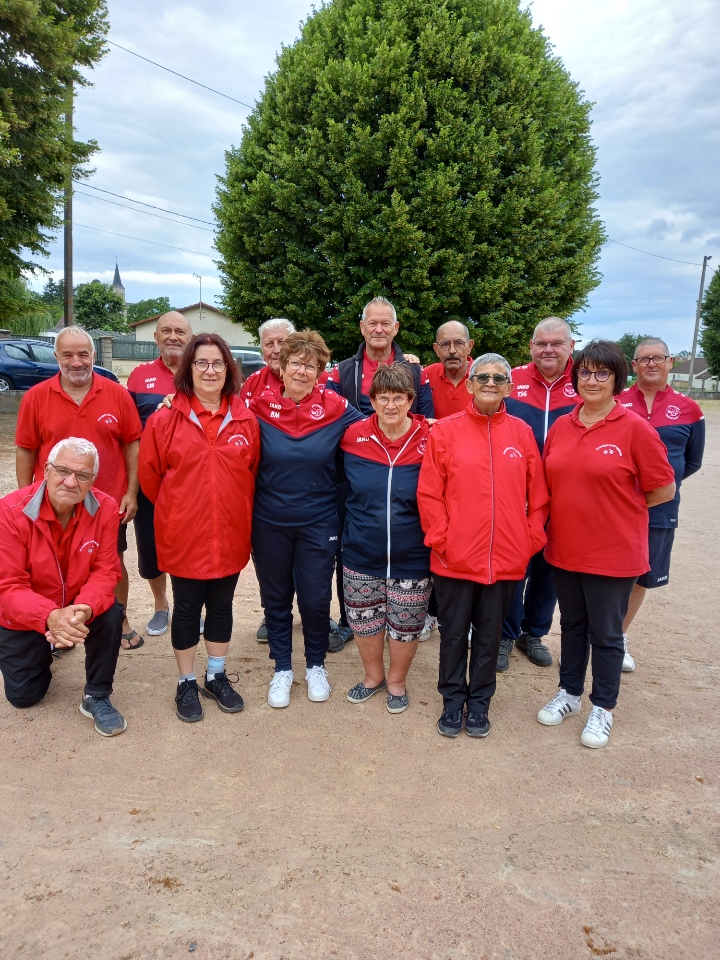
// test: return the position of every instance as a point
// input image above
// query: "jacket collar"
(32, 507)
(564, 377)
(494, 419)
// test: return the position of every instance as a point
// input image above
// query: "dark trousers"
(342, 495)
(144, 523)
(25, 659)
(462, 603)
(592, 610)
(532, 607)
(298, 560)
(188, 599)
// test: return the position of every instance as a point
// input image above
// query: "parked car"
(248, 360)
(23, 363)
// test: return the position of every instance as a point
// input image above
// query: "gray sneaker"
(261, 635)
(109, 722)
(158, 623)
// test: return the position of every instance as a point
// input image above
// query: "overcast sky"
(650, 66)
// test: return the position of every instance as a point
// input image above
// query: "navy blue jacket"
(346, 379)
(297, 478)
(681, 425)
(382, 536)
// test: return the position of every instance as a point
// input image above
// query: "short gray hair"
(75, 330)
(652, 342)
(489, 358)
(276, 323)
(554, 323)
(80, 447)
(383, 301)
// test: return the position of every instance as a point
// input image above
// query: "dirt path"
(336, 830)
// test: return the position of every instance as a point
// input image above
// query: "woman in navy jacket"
(386, 566)
(295, 528)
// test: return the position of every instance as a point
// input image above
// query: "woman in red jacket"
(483, 504)
(198, 462)
(605, 466)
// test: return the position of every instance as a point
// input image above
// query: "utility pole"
(691, 370)
(68, 311)
(198, 276)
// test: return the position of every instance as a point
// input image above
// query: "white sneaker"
(628, 662)
(559, 707)
(317, 683)
(431, 623)
(279, 689)
(597, 729)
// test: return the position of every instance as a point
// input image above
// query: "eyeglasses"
(600, 375)
(646, 361)
(497, 378)
(458, 344)
(556, 344)
(63, 472)
(296, 365)
(202, 365)
(395, 401)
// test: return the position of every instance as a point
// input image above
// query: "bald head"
(75, 334)
(453, 347)
(172, 333)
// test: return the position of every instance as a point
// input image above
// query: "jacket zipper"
(492, 504)
(388, 497)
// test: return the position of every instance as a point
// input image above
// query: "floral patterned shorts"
(374, 604)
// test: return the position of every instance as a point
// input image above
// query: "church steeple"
(117, 282)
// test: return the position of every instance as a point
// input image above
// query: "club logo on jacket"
(238, 440)
(569, 391)
(90, 545)
(512, 452)
(609, 448)
(421, 446)
(317, 412)
(672, 413)
(108, 419)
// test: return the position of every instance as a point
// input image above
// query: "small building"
(203, 318)
(703, 380)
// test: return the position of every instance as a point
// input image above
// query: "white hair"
(383, 301)
(276, 323)
(75, 331)
(554, 323)
(489, 358)
(80, 447)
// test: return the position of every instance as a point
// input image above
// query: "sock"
(215, 665)
(572, 698)
(186, 676)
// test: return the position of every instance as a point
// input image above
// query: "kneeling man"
(59, 567)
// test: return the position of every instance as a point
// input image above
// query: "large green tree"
(97, 306)
(434, 151)
(710, 333)
(147, 308)
(42, 46)
(628, 344)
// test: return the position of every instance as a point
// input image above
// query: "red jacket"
(482, 497)
(202, 491)
(31, 580)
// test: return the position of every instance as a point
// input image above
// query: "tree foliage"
(147, 308)
(43, 43)
(433, 151)
(22, 311)
(710, 333)
(97, 306)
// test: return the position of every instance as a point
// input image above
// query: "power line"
(141, 239)
(152, 206)
(659, 256)
(145, 213)
(182, 76)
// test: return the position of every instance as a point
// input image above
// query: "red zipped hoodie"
(482, 497)
(202, 490)
(31, 581)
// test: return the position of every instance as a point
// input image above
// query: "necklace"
(589, 423)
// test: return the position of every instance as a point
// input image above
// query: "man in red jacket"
(483, 504)
(59, 566)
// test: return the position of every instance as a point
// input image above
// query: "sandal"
(130, 636)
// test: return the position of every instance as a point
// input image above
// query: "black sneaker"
(221, 691)
(535, 650)
(109, 722)
(450, 723)
(339, 637)
(188, 709)
(503, 660)
(477, 724)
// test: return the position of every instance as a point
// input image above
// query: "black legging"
(188, 599)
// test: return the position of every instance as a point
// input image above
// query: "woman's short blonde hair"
(307, 345)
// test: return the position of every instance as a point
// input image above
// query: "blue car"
(23, 363)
